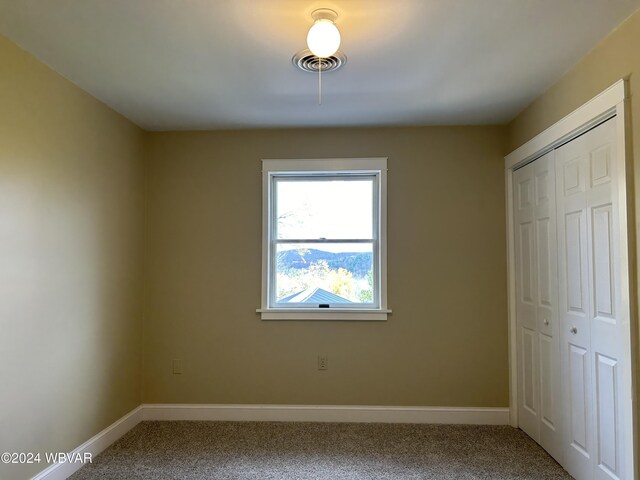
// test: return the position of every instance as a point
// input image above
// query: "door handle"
(573, 330)
(545, 321)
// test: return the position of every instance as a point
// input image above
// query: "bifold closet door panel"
(592, 337)
(539, 406)
(526, 301)
(547, 305)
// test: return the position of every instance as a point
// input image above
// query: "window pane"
(336, 273)
(325, 208)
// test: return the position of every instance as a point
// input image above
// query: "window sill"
(323, 314)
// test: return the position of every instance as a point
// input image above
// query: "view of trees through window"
(324, 249)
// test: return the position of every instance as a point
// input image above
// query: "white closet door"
(547, 305)
(539, 405)
(526, 301)
(595, 365)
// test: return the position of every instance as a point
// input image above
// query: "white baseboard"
(328, 413)
(95, 445)
(275, 413)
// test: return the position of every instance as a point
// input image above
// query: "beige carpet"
(304, 451)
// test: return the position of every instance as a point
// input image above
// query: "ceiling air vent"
(307, 61)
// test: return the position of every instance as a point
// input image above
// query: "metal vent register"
(307, 61)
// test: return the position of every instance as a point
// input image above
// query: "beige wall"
(445, 343)
(70, 250)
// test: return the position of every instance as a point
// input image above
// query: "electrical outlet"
(177, 366)
(323, 362)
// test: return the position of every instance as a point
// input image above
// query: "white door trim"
(595, 111)
(610, 103)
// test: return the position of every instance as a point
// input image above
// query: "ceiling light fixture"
(323, 40)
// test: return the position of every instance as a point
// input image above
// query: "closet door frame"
(611, 103)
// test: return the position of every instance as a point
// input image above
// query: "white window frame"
(372, 167)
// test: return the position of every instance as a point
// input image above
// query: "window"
(324, 239)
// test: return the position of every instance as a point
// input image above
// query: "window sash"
(274, 241)
(321, 177)
(356, 305)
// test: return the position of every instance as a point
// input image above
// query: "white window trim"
(376, 165)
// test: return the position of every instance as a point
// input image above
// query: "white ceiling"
(201, 64)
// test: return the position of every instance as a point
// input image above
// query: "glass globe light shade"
(323, 38)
